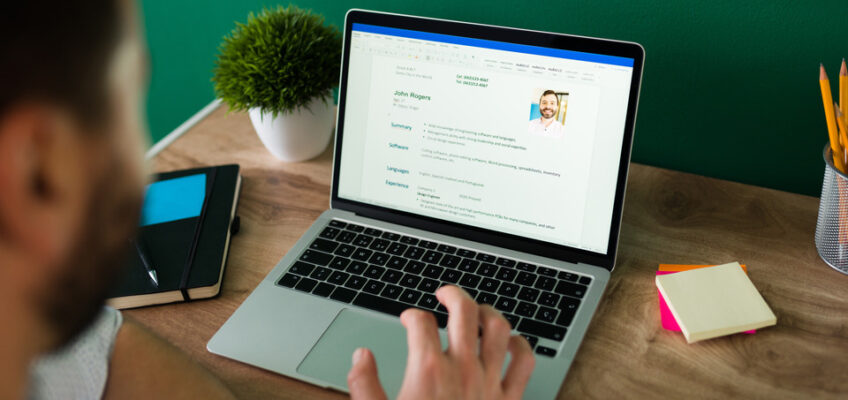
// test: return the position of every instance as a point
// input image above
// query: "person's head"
(548, 104)
(71, 170)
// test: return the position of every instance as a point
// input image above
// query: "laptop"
(486, 157)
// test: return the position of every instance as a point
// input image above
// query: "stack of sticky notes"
(710, 301)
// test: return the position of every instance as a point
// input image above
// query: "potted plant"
(281, 66)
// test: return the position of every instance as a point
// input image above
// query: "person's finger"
(422, 335)
(463, 320)
(493, 344)
(520, 367)
(362, 380)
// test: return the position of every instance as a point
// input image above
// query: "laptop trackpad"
(330, 358)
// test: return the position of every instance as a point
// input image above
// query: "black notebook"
(184, 233)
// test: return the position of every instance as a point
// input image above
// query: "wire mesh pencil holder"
(832, 225)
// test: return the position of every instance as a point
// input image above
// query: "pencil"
(843, 93)
(832, 132)
(843, 134)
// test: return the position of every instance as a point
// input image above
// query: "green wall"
(730, 88)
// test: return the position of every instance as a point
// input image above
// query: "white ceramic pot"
(297, 135)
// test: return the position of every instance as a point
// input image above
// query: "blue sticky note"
(173, 199)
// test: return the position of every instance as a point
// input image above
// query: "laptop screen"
(513, 138)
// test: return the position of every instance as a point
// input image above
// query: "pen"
(147, 265)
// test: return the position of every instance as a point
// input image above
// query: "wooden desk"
(669, 217)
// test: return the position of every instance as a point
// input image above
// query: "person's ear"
(42, 181)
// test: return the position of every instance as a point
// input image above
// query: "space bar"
(392, 307)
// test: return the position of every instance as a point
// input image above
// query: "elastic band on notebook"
(198, 228)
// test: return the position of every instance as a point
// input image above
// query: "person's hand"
(460, 372)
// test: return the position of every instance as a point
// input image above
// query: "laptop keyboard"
(388, 272)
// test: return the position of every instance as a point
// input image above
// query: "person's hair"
(547, 92)
(58, 52)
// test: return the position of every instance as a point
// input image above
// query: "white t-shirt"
(79, 369)
(537, 127)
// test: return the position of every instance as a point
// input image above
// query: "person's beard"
(547, 113)
(75, 295)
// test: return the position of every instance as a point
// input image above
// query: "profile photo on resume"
(547, 113)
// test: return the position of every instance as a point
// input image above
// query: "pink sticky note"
(666, 317)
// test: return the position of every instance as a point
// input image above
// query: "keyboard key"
(379, 245)
(374, 272)
(549, 299)
(337, 224)
(390, 236)
(526, 309)
(505, 304)
(410, 296)
(357, 267)
(355, 228)
(487, 298)
(528, 294)
(585, 280)
(355, 282)
(488, 258)
(446, 249)
(571, 289)
(546, 351)
(414, 253)
(397, 249)
(432, 271)
(410, 281)
(289, 280)
(431, 257)
(373, 232)
(505, 262)
(428, 244)
(323, 289)
(525, 278)
(392, 307)
(321, 273)
(466, 253)
(547, 272)
(506, 274)
(396, 262)
(414, 267)
(531, 339)
(374, 286)
(569, 276)
(323, 245)
(378, 258)
(301, 268)
(392, 276)
(451, 276)
(546, 314)
(471, 292)
(409, 240)
(468, 265)
(489, 285)
(450, 261)
(487, 269)
(525, 267)
(542, 329)
(338, 277)
(362, 240)
(545, 283)
(428, 285)
(508, 289)
(391, 291)
(569, 303)
(316, 257)
(512, 319)
(345, 250)
(470, 280)
(428, 301)
(343, 294)
(565, 317)
(346, 237)
(361, 254)
(339, 263)
(329, 233)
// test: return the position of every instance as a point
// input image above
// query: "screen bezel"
(510, 35)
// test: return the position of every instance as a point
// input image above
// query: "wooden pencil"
(830, 116)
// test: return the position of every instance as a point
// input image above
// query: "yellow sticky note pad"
(715, 301)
